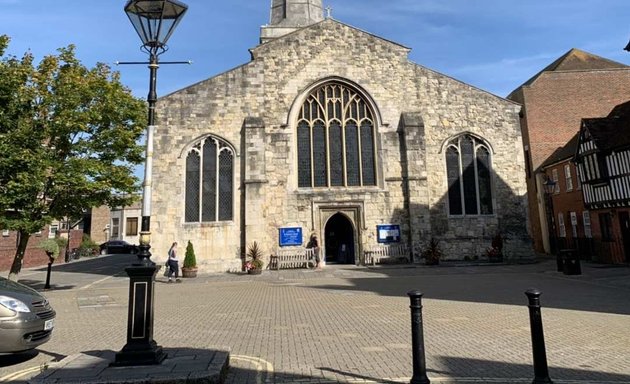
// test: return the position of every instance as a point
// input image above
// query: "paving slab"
(182, 365)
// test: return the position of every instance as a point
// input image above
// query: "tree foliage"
(68, 140)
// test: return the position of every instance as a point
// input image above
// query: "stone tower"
(290, 15)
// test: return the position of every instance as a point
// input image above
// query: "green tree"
(68, 138)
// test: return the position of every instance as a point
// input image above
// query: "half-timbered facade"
(603, 160)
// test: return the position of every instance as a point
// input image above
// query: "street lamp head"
(155, 21)
(549, 186)
(627, 48)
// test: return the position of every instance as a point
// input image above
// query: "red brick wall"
(554, 106)
(34, 257)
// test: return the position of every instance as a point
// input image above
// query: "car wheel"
(104, 251)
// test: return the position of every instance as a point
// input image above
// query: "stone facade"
(254, 109)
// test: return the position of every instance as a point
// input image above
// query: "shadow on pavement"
(17, 358)
(39, 285)
(494, 286)
(97, 265)
(476, 371)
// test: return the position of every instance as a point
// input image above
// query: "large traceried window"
(209, 182)
(468, 167)
(336, 139)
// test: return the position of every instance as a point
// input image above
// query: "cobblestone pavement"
(352, 324)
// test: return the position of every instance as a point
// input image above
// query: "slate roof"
(611, 132)
(576, 60)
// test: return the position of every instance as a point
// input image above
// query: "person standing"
(314, 244)
(173, 263)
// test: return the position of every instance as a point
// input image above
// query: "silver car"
(26, 318)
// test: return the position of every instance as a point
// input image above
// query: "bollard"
(541, 371)
(417, 339)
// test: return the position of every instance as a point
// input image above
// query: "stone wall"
(253, 107)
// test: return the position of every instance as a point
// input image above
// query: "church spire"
(289, 15)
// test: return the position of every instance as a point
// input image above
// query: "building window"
(528, 164)
(209, 182)
(561, 227)
(567, 177)
(468, 167)
(115, 228)
(586, 217)
(131, 228)
(605, 225)
(336, 139)
(574, 224)
(52, 231)
(554, 177)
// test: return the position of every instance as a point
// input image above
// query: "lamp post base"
(140, 349)
(130, 355)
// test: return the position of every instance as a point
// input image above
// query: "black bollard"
(50, 261)
(541, 371)
(417, 340)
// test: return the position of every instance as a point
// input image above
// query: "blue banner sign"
(388, 233)
(290, 236)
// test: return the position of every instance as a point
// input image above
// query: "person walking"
(313, 243)
(173, 263)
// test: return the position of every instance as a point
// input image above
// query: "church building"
(333, 131)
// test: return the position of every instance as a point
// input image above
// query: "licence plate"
(49, 324)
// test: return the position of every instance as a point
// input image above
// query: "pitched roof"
(611, 132)
(576, 60)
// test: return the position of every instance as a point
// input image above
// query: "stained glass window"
(336, 139)
(192, 186)
(469, 176)
(209, 182)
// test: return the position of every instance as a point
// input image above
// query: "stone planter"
(189, 272)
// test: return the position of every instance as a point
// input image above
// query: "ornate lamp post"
(155, 21)
(549, 187)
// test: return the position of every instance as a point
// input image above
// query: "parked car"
(26, 318)
(118, 246)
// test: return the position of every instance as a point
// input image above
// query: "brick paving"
(352, 325)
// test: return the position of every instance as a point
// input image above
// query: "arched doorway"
(339, 240)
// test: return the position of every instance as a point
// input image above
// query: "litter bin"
(570, 262)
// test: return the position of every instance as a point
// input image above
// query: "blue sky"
(495, 45)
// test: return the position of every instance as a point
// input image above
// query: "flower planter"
(254, 271)
(189, 272)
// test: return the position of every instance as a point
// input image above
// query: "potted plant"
(432, 254)
(190, 262)
(495, 252)
(254, 265)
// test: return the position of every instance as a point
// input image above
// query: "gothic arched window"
(209, 182)
(336, 139)
(468, 168)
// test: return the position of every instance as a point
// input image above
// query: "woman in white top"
(173, 263)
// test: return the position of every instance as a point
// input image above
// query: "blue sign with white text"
(290, 236)
(388, 233)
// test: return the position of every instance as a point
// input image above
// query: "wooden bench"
(377, 254)
(293, 258)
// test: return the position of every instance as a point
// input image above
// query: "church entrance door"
(339, 240)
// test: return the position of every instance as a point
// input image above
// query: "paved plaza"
(352, 324)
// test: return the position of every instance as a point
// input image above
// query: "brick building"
(332, 130)
(34, 256)
(575, 86)
(567, 222)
